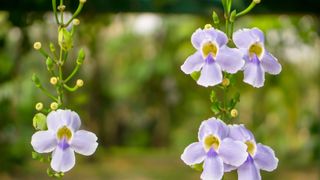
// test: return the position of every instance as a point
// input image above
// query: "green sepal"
(81, 56)
(197, 167)
(212, 96)
(65, 39)
(215, 107)
(233, 16)
(36, 80)
(39, 157)
(233, 102)
(40, 121)
(215, 18)
(195, 75)
(52, 173)
(52, 48)
(49, 63)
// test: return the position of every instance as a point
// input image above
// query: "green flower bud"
(215, 18)
(65, 39)
(233, 15)
(36, 80)
(49, 63)
(40, 121)
(81, 56)
(52, 48)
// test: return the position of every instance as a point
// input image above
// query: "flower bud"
(39, 106)
(225, 82)
(39, 121)
(54, 106)
(83, 1)
(76, 22)
(207, 26)
(36, 80)
(49, 63)
(52, 48)
(79, 83)
(234, 113)
(81, 56)
(215, 18)
(65, 39)
(61, 7)
(53, 80)
(257, 1)
(37, 45)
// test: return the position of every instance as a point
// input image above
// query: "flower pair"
(214, 56)
(223, 148)
(63, 138)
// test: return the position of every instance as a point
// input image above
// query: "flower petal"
(243, 38)
(193, 154)
(240, 133)
(258, 33)
(210, 74)
(84, 142)
(217, 36)
(54, 120)
(193, 63)
(213, 126)
(197, 37)
(72, 119)
(265, 158)
(248, 171)
(233, 152)
(62, 160)
(229, 168)
(43, 141)
(253, 73)
(270, 64)
(230, 59)
(212, 168)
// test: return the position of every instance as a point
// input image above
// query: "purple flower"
(258, 156)
(214, 149)
(212, 57)
(257, 59)
(63, 139)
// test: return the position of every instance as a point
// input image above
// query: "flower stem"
(248, 9)
(76, 13)
(54, 7)
(75, 70)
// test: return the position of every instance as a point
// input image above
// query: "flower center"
(64, 132)
(211, 141)
(256, 49)
(209, 48)
(251, 147)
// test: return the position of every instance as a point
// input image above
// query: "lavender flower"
(214, 149)
(257, 59)
(63, 139)
(258, 155)
(212, 57)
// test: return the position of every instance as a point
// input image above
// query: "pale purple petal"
(217, 36)
(211, 73)
(212, 126)
(244, 38)
(197, 38)
(193, 154)
(239, 132)
(253, 73)
(230, 59)
(84, 142)
(248, 171)
(229, 168)
(212, 168)
(62, 160)
(44, 141)
(265, 158)
(270, 64)
(193, 63)
(258, 33)
(54, 121)
(72, 119)
(233, 152)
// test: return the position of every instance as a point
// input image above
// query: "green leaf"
(215, 107)
(40, 121)
(195, 75)
(234, 101)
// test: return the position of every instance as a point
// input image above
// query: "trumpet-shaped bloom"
(258, 155)
(63, 138)
(214, 149)
(212, 57)
(257, 59)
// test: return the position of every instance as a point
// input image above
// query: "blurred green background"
(143, 108)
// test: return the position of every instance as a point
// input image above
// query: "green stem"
(248, 9)
(48, 94)
(75, 14)
(61, 4)
(71, 89)
(75, 70)
(54, 7)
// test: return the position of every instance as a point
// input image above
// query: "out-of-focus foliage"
(136, 97)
